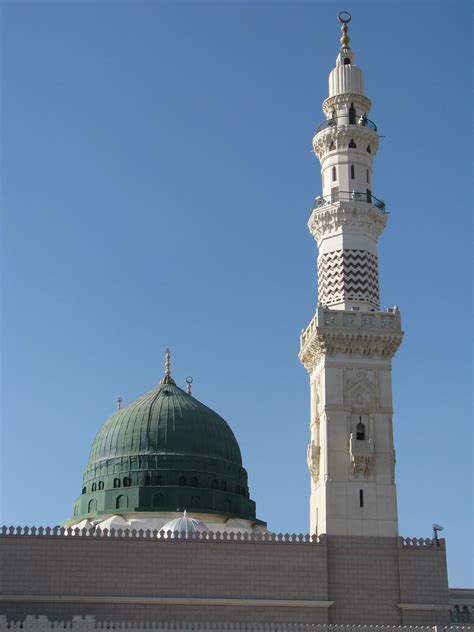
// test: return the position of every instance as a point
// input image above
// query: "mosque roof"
(166, 451)
(166, 420)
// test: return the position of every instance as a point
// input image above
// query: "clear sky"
(157, 178)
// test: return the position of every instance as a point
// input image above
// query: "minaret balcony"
(366, 197)
(343, 120)
(362, 454)
(369, 334)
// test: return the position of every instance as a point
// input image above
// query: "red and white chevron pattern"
(345, 275)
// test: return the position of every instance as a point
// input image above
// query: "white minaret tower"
(348, 345)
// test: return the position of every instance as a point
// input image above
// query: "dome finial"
(167, 379)
(119, 403)
(189, 381)
(344, 18)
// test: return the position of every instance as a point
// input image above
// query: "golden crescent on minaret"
(344, 18)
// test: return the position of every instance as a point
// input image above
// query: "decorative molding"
(167, 601)
(423, 606)
(313, 459)
(341, 136)
(351, 215)
(340, 101)
(370, 344)
(366, 334)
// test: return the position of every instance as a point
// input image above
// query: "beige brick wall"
(424, 580)
(363, 580)
(366, 577)
(145, 567)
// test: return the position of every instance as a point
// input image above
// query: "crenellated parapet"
(210, 536)
(37, 623)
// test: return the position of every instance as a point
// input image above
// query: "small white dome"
(189, 526)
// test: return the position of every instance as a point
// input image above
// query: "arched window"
(116, 482)
(182, 480)
(92, 506)
(347, 61)
(466, 615)
(334, 174)
(332, 146)
(121, 501)
(352, 115)
(101, 484)
(352, 172)
(84, 490)
(159, 480)
(228, 506)
(224, 486)
(194, 482)
(127, 481)
(158, 500)
(243, 491)
(352, 144)
(214, 483)
(361, 497)
(237, 489)
(369, 151)
(94, 487)
(360, 430)
(368, 176)
(147, 480)
(456, 615)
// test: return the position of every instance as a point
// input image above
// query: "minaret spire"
(167, 378)
(348, 345)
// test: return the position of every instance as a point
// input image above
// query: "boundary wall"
(263, 578)
(89, 624)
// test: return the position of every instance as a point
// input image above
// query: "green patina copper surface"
(163, 452)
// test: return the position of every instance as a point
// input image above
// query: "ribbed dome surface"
(166, 420)
(165, 452)
(185, 525)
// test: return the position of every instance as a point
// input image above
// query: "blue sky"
(157, 179)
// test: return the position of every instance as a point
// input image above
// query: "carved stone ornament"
(361, 464)
(356, 217)
(341, 135)
(338, 101)
(312, 457)
(365, 344)
(362, 456)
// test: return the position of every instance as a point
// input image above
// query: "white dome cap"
(189, 526)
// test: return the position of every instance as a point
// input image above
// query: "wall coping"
(41, 623)
(213, 536)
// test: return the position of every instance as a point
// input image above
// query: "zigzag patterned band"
(348, 275)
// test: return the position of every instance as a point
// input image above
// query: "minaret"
(348, 345)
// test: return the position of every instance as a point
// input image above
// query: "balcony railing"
(343, 120)
(349, 196)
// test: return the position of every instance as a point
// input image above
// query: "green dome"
(166, 451)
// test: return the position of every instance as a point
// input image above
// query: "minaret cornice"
(341, 136)
(331, 219)
(368, 335)
(338, 101)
